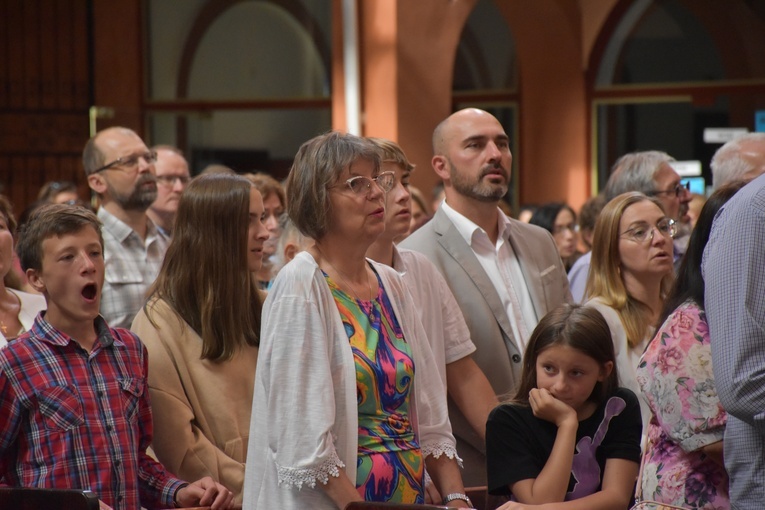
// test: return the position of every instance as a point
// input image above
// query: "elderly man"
(120, 169)
(505, 275)
(172, 172)
(648, 172)
(741, 159)
(734, 275)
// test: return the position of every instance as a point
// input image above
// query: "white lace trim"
(441, 448)
(297, 477)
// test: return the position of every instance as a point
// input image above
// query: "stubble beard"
(479, 190)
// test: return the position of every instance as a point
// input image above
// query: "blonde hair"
(605, 281)
(391, 152)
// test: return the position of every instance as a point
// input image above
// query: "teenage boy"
(74, 400)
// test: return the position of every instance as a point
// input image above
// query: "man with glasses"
(650, 173)
(172, 172)
(504, 274)
(120, 170)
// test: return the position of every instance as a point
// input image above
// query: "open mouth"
(89, 291)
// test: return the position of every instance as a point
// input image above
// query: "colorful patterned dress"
(390, 463)
(675, 374)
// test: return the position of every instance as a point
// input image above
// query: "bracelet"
(175, 494)
(457, 495)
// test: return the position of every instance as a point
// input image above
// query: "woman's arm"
(179, 443)
(715, 452)
(340, 490)
(472, 392)
(552, 482)
(447, 478)
(615, 494)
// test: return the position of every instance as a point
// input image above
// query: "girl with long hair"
(571, 435)
(201, 326)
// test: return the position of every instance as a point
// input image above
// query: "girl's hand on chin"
(549, 408)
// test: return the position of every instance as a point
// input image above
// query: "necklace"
(4, 326)
(369, 315)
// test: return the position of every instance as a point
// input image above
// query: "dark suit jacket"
(497, 353)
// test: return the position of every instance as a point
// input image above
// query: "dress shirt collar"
(121, 231)
(43, 330)
(467, 228)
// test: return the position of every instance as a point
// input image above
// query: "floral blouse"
(675, 374)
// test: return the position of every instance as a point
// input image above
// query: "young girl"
(571, 437)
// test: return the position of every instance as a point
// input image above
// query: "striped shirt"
(73, 419)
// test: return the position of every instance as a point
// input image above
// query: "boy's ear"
(35, 280)
(606, 370)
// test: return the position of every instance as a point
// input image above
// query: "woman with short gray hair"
(348, 404)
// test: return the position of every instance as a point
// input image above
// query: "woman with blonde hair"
(201, 326)
(630, 276)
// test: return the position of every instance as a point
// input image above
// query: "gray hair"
(728, 163)
(318, 165)
(289, 235)
(635, 172)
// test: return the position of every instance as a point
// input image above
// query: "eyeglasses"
(559, 229)
(361, 185)
(170, 180)
(640, 233)
(130, 162)
(677, 190)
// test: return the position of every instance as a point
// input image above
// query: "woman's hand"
(205, 492)
(432, 496)
(549, 408)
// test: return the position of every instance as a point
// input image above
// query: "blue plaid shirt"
(74, 419)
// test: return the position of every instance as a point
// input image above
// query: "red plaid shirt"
(73, 419)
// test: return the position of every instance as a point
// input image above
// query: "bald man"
(505, 275)
(120, 169)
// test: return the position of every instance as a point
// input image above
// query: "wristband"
(175, 495)
(457, 495)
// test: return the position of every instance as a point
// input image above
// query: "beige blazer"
(497, 353)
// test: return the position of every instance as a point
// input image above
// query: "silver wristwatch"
(457, 495)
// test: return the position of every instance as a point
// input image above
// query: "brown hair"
(318, 164)
(267, 186)
(605, 280)
(580, 327)
(52, 220)
(6, 209)
(205, 277)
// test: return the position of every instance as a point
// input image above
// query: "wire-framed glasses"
(642, 232)
(361, 185)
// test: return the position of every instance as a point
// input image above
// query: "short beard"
(139, 199)
(478, 190)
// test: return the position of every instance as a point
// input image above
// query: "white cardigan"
(304, 425)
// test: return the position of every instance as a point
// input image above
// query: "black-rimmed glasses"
(129, 161)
